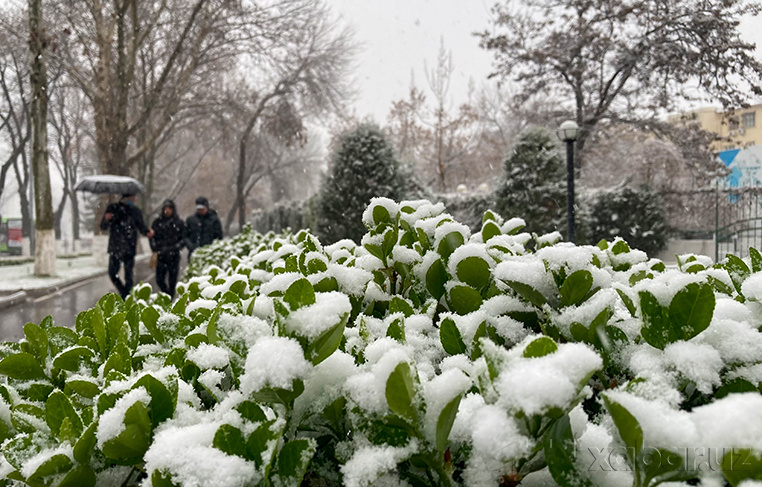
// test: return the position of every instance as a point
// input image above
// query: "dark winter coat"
(123, 228)
(168, 233)
(202, 230)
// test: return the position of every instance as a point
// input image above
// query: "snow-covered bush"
(362, 167)
(426, 355)
(533, 185)
(634, 214)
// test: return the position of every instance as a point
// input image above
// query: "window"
(749, 119)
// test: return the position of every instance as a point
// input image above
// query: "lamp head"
(568, 131)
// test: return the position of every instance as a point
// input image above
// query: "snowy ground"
(21, 277)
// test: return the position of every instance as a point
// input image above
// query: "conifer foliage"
(533, 185)
(363, 167)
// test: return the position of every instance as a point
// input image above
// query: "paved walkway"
(18, 282)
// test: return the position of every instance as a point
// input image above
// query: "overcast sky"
(398, 36)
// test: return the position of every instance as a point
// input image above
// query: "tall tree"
(45, 240)
(362, 167)
(623, 61)
(109, 43)
(301, 70)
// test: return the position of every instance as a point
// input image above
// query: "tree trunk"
(45, 251)
(75, 216)
(58, 215)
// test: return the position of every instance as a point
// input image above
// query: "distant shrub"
(634, 214)
(363, 167)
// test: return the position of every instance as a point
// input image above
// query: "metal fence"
(738, 222)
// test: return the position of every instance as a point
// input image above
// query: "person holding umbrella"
(123, 220)
(167, 241)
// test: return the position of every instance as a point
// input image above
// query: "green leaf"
(464, 299)
(449, 243)
(99, 330)
(381, 215)
(22, 366)
(664, 466)
(735, 386)
(20, 449)
(528, 293)
(162, 405)
(575, 288)
(327, 343)
(84, 388)
(396, 330)
(400, 392)
(70, 359)
(230, 440)
(27, 417)
(54, 465)
(474, 271)
(489, 229)
(131, 444)
(628, 427)
(476, 349)
(445, 422)
(57, 408)
(118, 330)
(741, 464)
(539, 347)
(211, 327)
(399, 304)
(160, 478)
(61, 338)
(756, 260)
(627, 302)
(251, 411)
(277, 395)
(450, 337)
(80, 476)
(691, 310)
(83, 448)
(738, 271)
(256, 445)
(119, 360)
(579, 332)
(150, 317)
(561, 455)
(657, 330)
(293, 460)
(38, 340)
(620, 247)
(436, 277)
(299, 294)
(392, 431)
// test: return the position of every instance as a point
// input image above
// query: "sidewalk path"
(62, 298)
(18, 282)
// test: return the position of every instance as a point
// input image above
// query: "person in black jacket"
(167, 241)
(203, 227)
(123, 220)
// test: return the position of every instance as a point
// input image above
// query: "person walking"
(123, 220)
(169, 231)
(203, 227)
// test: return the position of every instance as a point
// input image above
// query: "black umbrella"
(110, 183)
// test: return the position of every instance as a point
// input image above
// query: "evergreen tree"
(636, 215)
(362, 167)
(533, 186)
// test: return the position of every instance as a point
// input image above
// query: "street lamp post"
(567, 132)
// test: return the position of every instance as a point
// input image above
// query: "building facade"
(736, 129)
